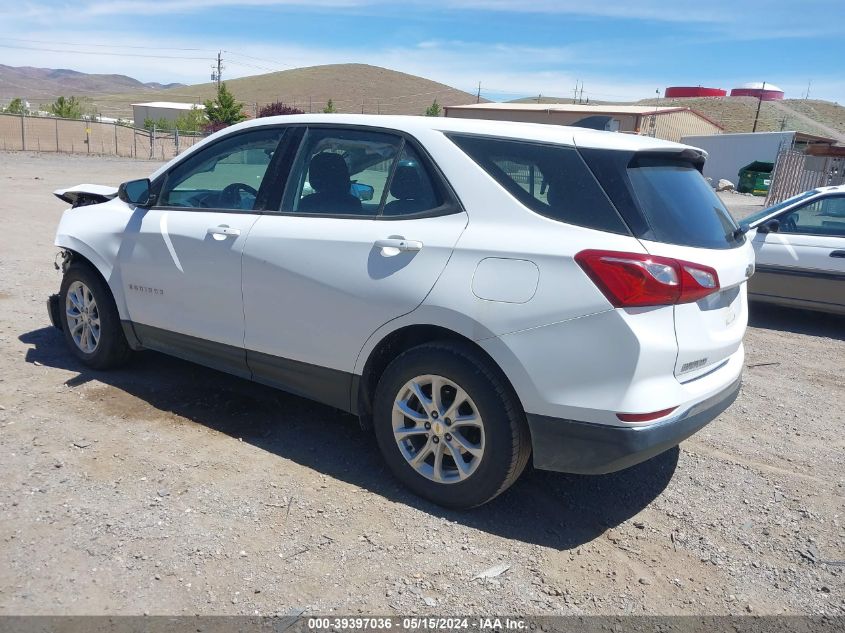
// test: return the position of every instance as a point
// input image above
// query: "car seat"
(329, 177)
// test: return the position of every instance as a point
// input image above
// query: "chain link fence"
(80, 136)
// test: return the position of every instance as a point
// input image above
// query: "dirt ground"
(167, 488)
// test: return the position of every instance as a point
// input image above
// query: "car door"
(181, 259)
(804, 260)
(366, 226)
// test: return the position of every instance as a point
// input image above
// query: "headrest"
(407, 184)
(328, 173)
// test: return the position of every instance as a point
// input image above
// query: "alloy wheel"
(83, 317)
(438, 429)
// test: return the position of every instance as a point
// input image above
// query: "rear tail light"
(631, 280)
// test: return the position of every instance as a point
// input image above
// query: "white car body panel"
(710, 330)
(798, 269)
(316, 290)
(179, 277)
(327, 282)
(96, 232)
(800, 251)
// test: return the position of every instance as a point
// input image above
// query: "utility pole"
(759, 103)
(581, 94)
(478, 95)
(217, 72)
(575, 94)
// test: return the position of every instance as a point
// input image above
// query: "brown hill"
(351, 87)
(736, 114)
(43, 85)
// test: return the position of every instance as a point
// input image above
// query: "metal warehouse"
(728, 153)
(156, 110)
(668, 123)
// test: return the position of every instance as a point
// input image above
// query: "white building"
(666, 122)
(728, 153)
(167, 110)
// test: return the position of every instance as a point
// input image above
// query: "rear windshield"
(665, 199)
(680, 206)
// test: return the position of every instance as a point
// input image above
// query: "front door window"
(226, 175)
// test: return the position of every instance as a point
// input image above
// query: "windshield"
(754, 217)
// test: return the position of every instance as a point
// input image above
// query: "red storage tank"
(693, 91)
(759, 90)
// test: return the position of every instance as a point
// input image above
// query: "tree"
(224, 109)
(161, 125)
(433, 109)
(277, 108)
(67, 108)
(329, 109)
(191, 121)
(16, 106)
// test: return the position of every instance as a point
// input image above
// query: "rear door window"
(341, 172)
(551, 180)
(412, 190)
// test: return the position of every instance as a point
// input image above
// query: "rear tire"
(90, 321)
(448, 425)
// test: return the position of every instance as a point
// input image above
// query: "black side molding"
(329, 386)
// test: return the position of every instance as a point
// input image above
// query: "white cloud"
(610, 69)
(761, 15)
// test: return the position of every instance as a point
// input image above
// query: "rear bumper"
(595, 449)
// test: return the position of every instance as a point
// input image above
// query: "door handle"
(400, 244)
(837, 254)
(223, 230)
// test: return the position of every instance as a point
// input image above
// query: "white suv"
(478, 292)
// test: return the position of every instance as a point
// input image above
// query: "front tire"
(90, 321)
(448, 425)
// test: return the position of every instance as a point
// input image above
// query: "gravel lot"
(167, 488)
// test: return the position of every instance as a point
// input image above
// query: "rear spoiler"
(82, 195)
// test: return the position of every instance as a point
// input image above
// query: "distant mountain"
(351, 87)
(45, 84)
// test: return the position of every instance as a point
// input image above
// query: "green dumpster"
(755, 178)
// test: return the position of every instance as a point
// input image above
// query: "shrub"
(433, 109)
(278, 108)
(67, 108)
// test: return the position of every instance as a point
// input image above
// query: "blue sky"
(619, 50)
